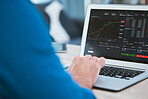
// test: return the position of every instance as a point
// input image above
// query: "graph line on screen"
(100, 29)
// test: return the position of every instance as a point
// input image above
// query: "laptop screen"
(118, 34)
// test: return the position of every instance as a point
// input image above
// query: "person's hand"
(85, 70)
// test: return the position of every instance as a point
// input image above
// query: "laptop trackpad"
(111, 83)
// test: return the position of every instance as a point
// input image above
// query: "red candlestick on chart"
(127, 24)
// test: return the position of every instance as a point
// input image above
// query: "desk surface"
(137, 91)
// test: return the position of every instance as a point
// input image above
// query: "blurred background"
(66, 17)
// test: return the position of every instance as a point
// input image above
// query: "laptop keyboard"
(120, 72)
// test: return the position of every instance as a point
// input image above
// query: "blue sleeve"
(29, 68)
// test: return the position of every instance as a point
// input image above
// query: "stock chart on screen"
(119, 35)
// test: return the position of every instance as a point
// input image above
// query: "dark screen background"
(121, 35)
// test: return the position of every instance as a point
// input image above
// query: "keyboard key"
(120, 72)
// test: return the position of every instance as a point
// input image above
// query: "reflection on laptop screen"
(121, 35)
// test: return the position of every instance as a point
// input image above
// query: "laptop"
(120, 34)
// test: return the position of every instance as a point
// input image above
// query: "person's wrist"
(84, 82)
(86, 85)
